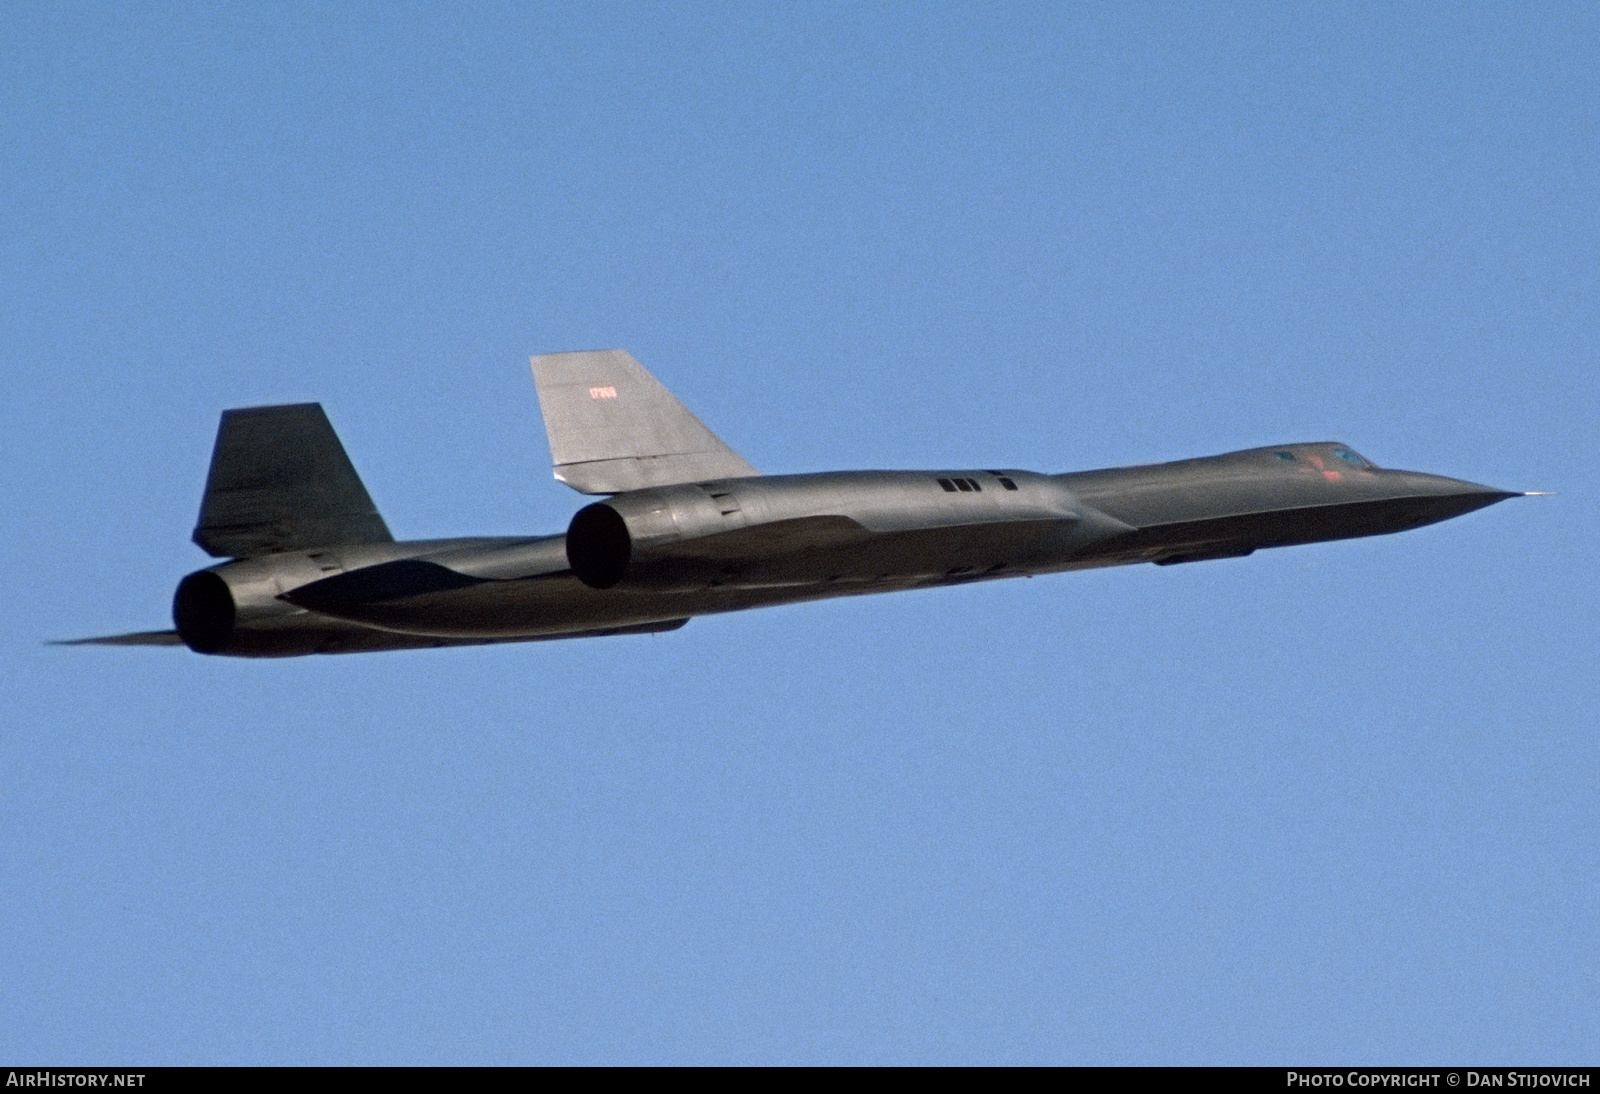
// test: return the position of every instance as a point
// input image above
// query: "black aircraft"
(689, 528)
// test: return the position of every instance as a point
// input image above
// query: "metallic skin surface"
(690, 529)
(613, 427)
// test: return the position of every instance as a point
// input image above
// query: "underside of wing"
(613, 427)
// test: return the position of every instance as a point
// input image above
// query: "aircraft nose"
(1432, 498)
(1419, 484)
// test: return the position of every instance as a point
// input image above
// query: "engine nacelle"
(204, 611)
(234, 609)
(633, 536)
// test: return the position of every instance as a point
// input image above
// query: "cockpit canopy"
(1332, 451)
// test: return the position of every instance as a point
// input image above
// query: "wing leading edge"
(613, 427)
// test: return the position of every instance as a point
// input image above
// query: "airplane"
(688, 528)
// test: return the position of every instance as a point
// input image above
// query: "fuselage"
(650, 559)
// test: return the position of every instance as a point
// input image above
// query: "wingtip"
(142, 638)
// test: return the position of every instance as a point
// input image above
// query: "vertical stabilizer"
(613, 427)
(280, 481)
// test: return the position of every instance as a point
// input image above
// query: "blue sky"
(1327, 804)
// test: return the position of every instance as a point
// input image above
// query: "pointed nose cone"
(1439, 498)
(1439, 486)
